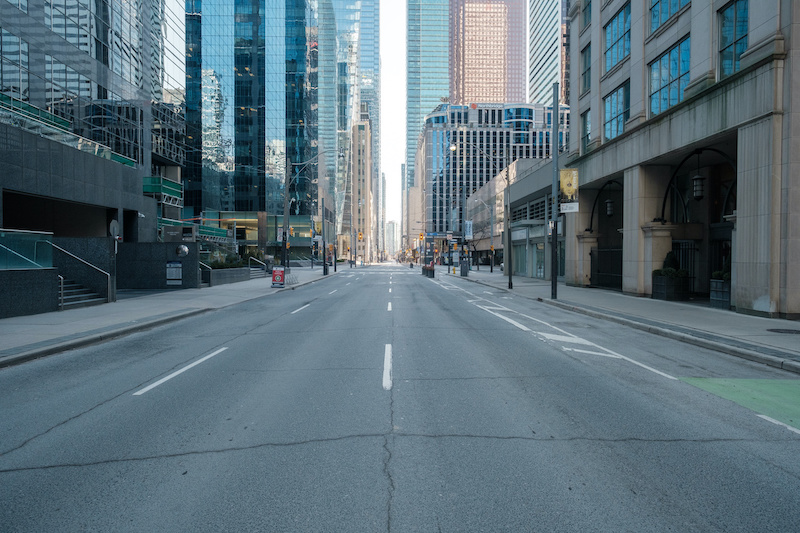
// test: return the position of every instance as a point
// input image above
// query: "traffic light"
(291, 231)
(421, 236)
(360, 236)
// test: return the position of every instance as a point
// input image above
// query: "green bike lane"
(776, 399)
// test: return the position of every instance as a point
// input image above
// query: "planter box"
(672, 289)
(720, 294)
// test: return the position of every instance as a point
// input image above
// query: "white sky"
(393, 100)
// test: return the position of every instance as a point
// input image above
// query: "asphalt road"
(380, 400)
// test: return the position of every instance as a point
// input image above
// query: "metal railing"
(200, 267)
(263, 264)
(84, 262)
(60, 292)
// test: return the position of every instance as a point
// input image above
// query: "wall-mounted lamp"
(697, 187)
(609, 207)
(697, 182)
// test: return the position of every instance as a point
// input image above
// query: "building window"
(662, 10)
(14, 79)
(586, 66)
(586, 130)
(733, 36)
(617, 110)
(587, 13)
(618, 37)
(669, 76)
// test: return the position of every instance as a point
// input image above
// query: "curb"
(97, 338)
(776, 362)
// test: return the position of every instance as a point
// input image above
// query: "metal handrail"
(106, 274)
(200, 266)
(21, 256)
(262, 263)
(60, 292)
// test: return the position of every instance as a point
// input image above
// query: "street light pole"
(555, 145)
(509, 260)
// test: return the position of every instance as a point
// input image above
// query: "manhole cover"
(790, 331)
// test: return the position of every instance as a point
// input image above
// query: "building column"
(759, 211)
(643, 194)
(583, 264)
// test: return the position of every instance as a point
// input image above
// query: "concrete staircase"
(76, 295)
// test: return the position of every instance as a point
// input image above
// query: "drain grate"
(789, 331)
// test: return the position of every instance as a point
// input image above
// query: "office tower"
(487, 51)
(427, 60)
(712, 183)
(464, 147)
(361, 190)
(370, 75)
(548, 51)
(91, 103)
(255, 75)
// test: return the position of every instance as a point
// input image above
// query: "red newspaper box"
(278, 278)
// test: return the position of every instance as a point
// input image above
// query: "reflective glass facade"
(488, 55)
(109, 70)
(427, 81)
(256, 74)
(548, 51)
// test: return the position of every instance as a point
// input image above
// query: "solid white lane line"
(181, 371)
(387, 367)
(334, 290)
(779, 423)
(298, 310)
(390, 306)
(498, 315)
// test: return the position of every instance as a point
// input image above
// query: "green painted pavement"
(775, 398)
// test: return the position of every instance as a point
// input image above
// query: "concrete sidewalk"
(28, 337)
(773, 342)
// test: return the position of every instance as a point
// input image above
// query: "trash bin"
(464, 268)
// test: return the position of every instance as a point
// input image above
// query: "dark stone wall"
(28, 292)
(144, 265)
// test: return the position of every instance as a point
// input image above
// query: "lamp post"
(555, 146)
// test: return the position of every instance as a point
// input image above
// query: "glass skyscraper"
(427, 70)
(548, 51)
(256, 74)
(487, 51)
